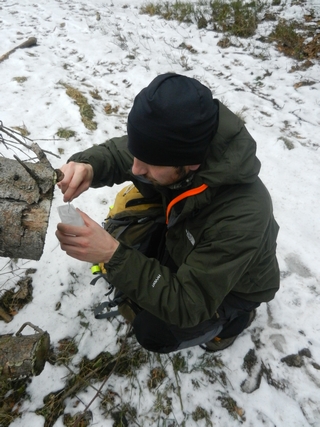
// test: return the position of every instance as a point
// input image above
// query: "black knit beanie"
(172, 121)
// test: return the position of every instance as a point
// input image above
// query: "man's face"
(159, 175)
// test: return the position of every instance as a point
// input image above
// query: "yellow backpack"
(137, 222)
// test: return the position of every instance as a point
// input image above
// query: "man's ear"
(194, 167)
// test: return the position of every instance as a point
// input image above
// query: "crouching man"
(218, 262)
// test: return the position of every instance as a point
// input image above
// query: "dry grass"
(12, 396)
(86, 110)
(65, 133)
(299, 40)
(237, 17)
(20, 79)
(22, 129)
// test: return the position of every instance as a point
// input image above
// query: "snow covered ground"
(111, 49)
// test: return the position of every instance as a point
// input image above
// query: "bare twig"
(301, 119)
(78, 420)
(40, 154)
(87, 383)
(34, 147)
(178, 385)
(265, 97)
(11, 133)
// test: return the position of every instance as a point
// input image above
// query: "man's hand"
(77, 179)
(89, 243)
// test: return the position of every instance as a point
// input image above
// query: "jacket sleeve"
(111, 162)
(186, 298)
(223, 260)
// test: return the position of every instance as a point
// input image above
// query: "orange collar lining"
(189, 193)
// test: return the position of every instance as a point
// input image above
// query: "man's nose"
(138, 167)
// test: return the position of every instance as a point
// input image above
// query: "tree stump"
(26, 192)
(23, 355)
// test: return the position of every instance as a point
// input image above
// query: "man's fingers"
(67, 233)
(77, 179)
(73, 247)
(72, 191)
(86, 218)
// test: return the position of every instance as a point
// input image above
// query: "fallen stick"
(32, 41)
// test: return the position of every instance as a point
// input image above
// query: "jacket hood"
(231, 157)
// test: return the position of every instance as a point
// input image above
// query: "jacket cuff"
(118, 257)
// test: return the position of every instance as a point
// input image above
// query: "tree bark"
(23, 355)
(26, 192)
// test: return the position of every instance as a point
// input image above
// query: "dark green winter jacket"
(222, 240)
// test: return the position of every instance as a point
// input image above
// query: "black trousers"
(158, 336)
